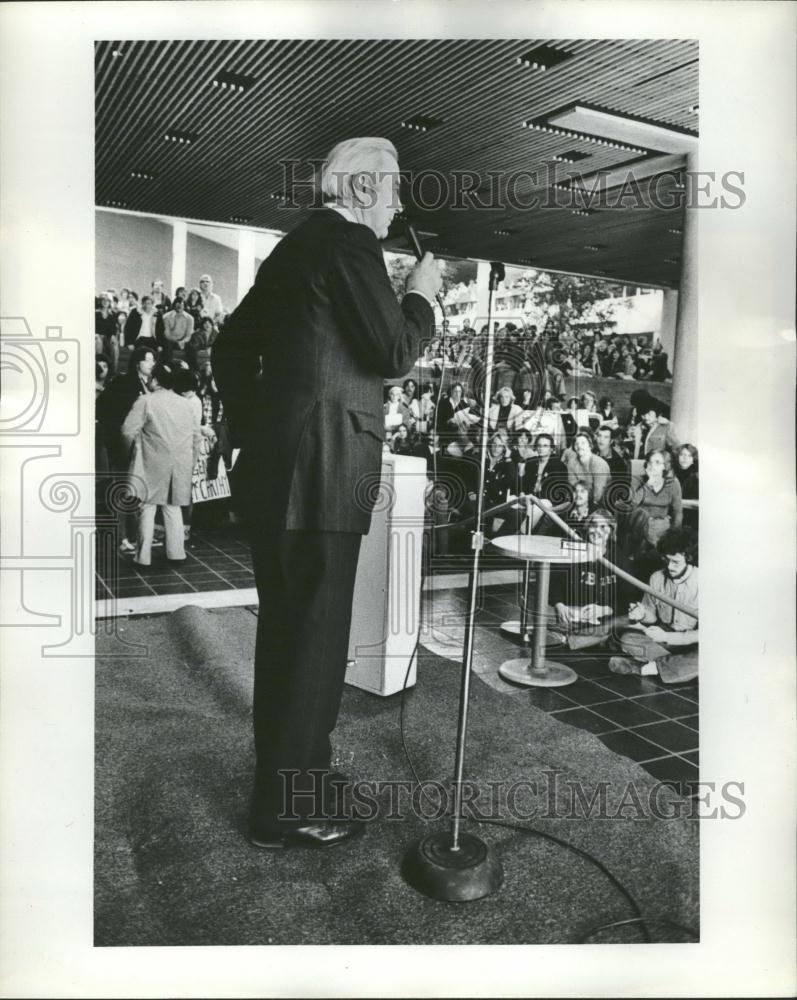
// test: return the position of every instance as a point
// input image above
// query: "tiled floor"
(639, 717)
(215, 560)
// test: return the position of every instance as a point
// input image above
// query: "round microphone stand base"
(434, 869)
(548, 674)
(512, 630)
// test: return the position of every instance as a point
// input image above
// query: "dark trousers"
(305, 583)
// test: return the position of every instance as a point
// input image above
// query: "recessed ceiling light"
(675, 232)
(573, 156)
(543, 57)
(595, 246)
(117, 53)
(538, 125)
(504, 232)
(582, 211)
(114, 203)
(422, 123)
(178, 136)
(241, 219)
(233, 82)
(142, 175)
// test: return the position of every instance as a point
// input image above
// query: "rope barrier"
(553, 513)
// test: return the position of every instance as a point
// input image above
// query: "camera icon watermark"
(41, 381)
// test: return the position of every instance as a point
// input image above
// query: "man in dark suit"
(545, 476)
(305, 355)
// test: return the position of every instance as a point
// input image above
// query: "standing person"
(323, 324)
(104, 325)
(177, 329)
(661, 434)
(162, 433)
(194, 306)
(160, 299)
(113, 406)
(143, 324)
(211, 302)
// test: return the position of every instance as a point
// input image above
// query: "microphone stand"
(457, 866)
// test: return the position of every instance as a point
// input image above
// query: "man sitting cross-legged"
(664, 640)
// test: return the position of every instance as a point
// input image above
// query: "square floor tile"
(670, 735)
(202, 585)
(630, 745)
(693, 756)
(690, 690)
(134, 591)
(626, 713)
(667, 704)
(180, 587)
(690, 720)
(679, 773)
(547, 699)
(588, 667)
(629, 686)
(583, 718)
(585, 692)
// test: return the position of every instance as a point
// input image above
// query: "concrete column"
(246, 261)
(669, 312)
(482, 293)
(684, 359)
(179, 242)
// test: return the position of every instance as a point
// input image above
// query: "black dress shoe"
(328, 833)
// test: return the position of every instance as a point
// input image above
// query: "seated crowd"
(618, 478)
(601, 355)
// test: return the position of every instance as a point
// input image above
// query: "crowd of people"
(620, 478)
(588, 355)
(155, 400)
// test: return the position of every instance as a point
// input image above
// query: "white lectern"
(385, 617)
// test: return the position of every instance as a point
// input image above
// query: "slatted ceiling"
(310, 93)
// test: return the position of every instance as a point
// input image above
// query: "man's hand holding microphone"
(425, 277)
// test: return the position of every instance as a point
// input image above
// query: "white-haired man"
(322, 325)
(211, 302)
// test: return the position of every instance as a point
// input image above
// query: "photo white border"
(746, 400)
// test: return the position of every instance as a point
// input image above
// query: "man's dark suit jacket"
(323, 320)
(133, 327)
(554, 479)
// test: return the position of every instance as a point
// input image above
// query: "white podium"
(387, 592)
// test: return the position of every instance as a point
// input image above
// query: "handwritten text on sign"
(203, 488)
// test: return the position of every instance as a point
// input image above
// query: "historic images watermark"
(616, 189)
(552, 796)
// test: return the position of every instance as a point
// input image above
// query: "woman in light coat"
(162, 432)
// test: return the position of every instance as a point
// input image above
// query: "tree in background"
(400, 265)
(560, 303)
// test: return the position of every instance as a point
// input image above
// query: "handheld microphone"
(417, 249)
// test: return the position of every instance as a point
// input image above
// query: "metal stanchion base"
(511, 630)
(458, 876)
(552, 674)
